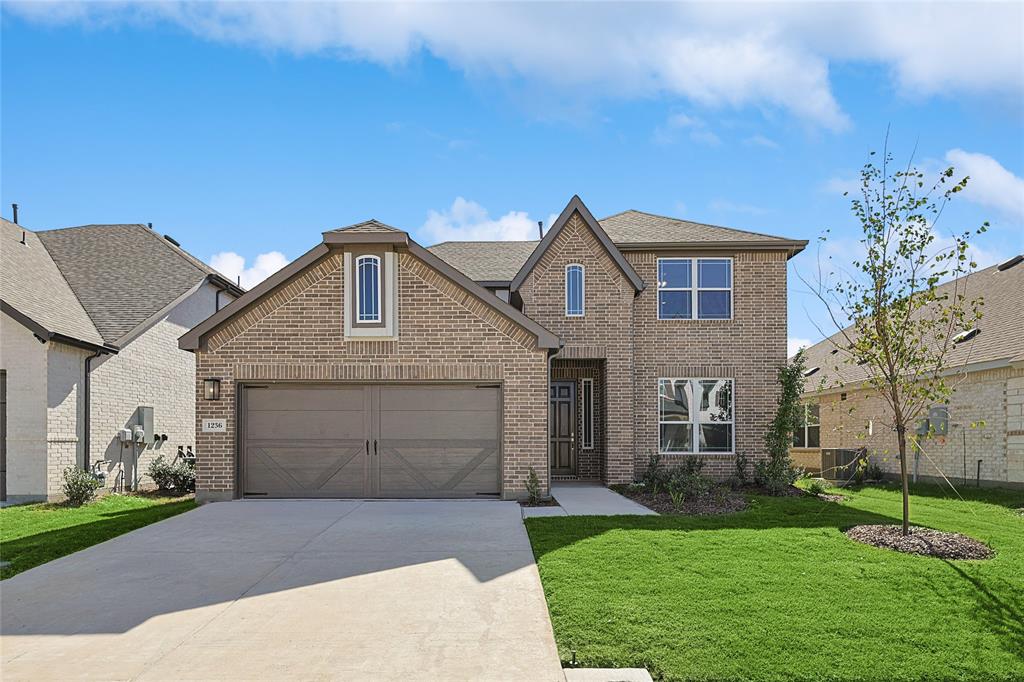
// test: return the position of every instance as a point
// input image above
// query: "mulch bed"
(829, 497)
(707, 505)
(923, 541)
(550, 502)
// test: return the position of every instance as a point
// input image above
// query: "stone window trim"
(386, 324)
(694, 421)
(694, 288)
(575, 287)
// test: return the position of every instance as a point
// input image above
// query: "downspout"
(88, 409)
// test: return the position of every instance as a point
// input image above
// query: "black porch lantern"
(211, 389)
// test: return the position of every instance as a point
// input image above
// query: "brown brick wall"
(296, 333)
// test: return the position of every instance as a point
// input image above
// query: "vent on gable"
(172, 240)
(1006, 265)
(966, 336)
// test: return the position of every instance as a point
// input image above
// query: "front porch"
(577, 418)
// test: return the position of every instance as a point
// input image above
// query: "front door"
(562, 425)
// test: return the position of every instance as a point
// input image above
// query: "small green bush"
(741, 477)
(655, 478)
(79, 486)
(178, 477)
(776, 475)
(678, 497)
(687, 479)
(873, 472)
(533, 486)
(817, 487)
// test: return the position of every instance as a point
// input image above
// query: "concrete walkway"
(289, 589)
(588, 499)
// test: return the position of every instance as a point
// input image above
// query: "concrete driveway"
(291, 589)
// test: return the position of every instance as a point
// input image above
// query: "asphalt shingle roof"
(637, 227)
(371, 225)
(1001, 328)
(485, 261)
(32, 284)
(122, 274)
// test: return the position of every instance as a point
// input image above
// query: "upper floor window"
(680, 297)
(368, 289)
(574, 286)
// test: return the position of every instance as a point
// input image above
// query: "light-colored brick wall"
(150, 371)
(296, 333)
(64, 406)
(23, 358)
(604, 332)
(992, 397)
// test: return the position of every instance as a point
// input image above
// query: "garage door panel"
(349, 398)
(307, 425)
(439, 399)
(445, 426)
(433, 472)
(306, 471)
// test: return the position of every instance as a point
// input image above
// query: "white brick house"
(88, 334)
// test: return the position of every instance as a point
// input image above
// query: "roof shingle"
(485, 261)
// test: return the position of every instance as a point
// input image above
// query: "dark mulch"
(923, 541)
(724, 502)
(550, 502)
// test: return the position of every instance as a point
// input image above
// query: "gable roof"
(1000, 341)
(486, 261)
(576, 205)
(124, 275)
(371, 225)
(637, 229)
(193, 339)
(34, 291)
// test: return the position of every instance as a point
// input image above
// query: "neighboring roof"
(33, 286)
(576, 205)
(636, 229)
(123, 275)
(485, 261)
(1000, 341)
(193, 339)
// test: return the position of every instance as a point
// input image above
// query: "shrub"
(533, 486)
(678, 497)
(873, 472)
(817, 487)
(79, 486)
(741, 476)
(686, 479)
(655, 478)
(776, 475)
(179, 477)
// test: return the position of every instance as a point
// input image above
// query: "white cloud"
(990, 183)
(761, 141)
(469, 221)
(769, 55)
(794, 344)
(841, 185)
(232, 266)
(667, 133)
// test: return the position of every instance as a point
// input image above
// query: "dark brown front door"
(562, 425)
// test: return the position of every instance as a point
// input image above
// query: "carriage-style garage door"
(370, 441)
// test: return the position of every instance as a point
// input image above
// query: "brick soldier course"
(453, 328)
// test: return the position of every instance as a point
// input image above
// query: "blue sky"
(245, 130)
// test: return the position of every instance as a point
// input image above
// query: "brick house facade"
(480, 315)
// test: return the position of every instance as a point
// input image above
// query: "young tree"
(777, 473)
(892, 316)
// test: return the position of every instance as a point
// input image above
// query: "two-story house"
(374, 367)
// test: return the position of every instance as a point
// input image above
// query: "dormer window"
(368, 289)
(574, 290)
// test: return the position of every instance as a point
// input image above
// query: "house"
(372, 366)
(984, 438)
(88, 347)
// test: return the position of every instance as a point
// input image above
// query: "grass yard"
(778, 592)
(32, 534)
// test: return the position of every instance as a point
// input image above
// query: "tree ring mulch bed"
(549, 502)
(922, 541)
(728, 502)
(829, 497)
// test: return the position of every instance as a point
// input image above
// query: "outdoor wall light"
(211, 389)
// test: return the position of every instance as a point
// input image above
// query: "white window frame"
(587, 398)
(695, 417)
(360, 319)
(583, 290)
(695, 288)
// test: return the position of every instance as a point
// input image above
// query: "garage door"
(371, 441)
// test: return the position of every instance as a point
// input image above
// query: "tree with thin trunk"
(892, 316)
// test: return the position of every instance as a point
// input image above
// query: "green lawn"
(777, 592)
(32, 534)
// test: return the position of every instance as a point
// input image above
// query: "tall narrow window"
(675, 288)
(368, 289)
(574, 284)
(695, 415)
(714, 288)
(587, 394)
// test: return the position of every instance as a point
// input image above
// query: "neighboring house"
(88, 336)
(985, 438)
(372, 366)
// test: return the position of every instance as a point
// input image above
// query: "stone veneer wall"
(445, 334)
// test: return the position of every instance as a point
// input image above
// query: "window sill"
(698, 454)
